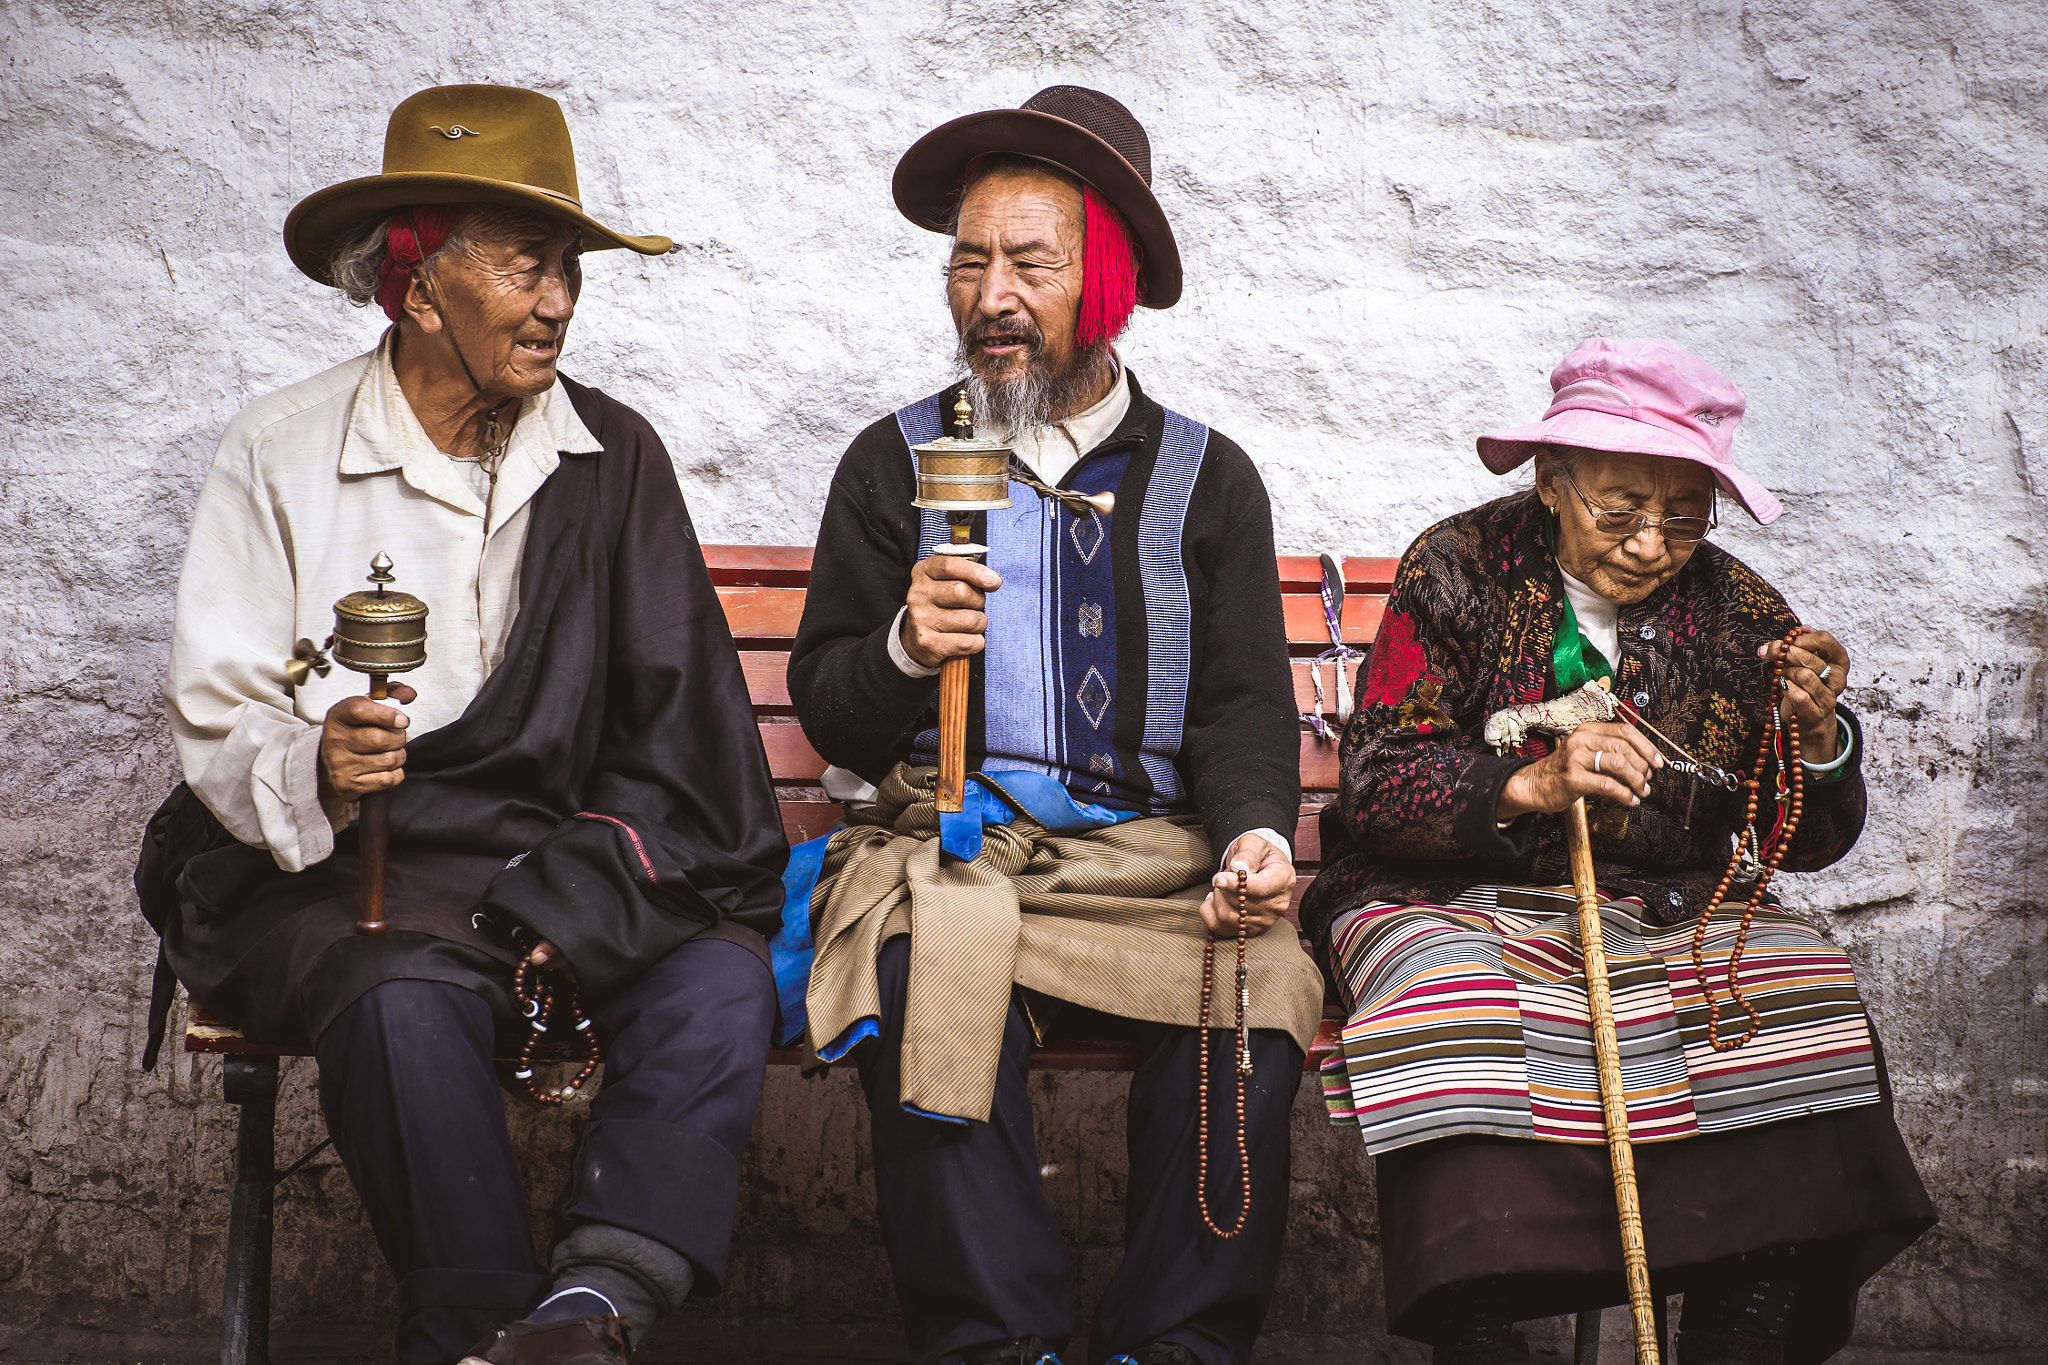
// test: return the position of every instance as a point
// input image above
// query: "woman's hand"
(1816, 673)
(362, 745)
(1266, 892)
(1600, 758)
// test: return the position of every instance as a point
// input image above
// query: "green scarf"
(1574, 660)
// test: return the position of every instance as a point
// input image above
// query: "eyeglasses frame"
(1643, 520)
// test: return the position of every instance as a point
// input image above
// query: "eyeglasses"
(1620, 522)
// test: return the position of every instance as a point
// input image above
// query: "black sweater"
(1234, 760)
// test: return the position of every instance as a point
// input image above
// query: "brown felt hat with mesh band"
(1083, 131)
(458, 144)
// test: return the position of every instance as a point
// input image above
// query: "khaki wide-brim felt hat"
(1083, 131)
(459, 144)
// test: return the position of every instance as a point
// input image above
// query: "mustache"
(1012, 331)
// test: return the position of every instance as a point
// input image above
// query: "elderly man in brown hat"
(575, 788)
(1131, 730)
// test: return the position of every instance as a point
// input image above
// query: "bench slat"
(767, 673)
(1304, 573)
(789, 566)
(792, 760)
(758, 614)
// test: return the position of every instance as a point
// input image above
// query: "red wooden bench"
(762, 588)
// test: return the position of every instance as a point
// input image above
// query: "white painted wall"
(1396, 216)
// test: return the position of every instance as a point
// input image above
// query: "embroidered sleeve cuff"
(898, 655)
(1475, 807)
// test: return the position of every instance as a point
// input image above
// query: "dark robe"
(605, 789)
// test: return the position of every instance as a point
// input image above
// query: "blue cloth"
(789, 952)
(1000, 797)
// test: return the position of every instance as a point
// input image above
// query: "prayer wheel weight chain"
(1621, 1156)
(1243, 1069)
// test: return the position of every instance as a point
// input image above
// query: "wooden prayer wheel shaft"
(950, 791)
(378, 633)
(1613, 1100)
(959, 475)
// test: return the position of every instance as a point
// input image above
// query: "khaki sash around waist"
(1106, 918)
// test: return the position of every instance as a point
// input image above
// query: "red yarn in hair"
(1109, 274)
(417, 234)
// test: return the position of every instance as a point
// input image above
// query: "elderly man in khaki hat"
(577, 797)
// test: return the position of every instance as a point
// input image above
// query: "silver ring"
(1598, 754)
(1826, 669)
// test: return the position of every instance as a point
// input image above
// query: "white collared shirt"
(309, 484)
(1051, 451)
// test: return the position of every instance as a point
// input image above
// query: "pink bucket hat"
(1644, 396)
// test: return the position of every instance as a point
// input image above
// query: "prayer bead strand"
(1244, 1068)
(1782, 745)
(537, 1004)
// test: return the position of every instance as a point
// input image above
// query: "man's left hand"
(549, 958)
(1266, 893)
(1816, 672)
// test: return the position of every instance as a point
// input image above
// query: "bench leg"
(1586, 1337)
(251, 1083)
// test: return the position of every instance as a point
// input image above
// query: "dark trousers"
(412, 1101)
(976, 1254)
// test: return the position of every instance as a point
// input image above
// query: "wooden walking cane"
(1504, 731)
(378, 633)
(1613, 1106)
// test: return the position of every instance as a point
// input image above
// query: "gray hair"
(358, 263)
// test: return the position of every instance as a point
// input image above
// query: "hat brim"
(1502, 451)
(323, 220)
(927, 181)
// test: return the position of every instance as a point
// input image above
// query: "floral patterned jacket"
(1469, 629)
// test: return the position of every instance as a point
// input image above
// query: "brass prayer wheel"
(963, 473)
(380, 632)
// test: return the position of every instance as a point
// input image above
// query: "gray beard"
(1035, 398)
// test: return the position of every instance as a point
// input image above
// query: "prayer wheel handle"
(379, 633)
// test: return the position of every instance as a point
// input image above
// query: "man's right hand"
(362, 745)
(946, 619)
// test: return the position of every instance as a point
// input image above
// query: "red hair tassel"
(1109, 274)
(417, 235)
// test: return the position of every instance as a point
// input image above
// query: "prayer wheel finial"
(963, 416)
(381, 632)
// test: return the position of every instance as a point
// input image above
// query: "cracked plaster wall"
(1396, 215)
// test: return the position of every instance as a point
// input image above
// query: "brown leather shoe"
(573, 1341)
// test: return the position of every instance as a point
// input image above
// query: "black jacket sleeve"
(857, 708)
(678, 828)
(1241, 750)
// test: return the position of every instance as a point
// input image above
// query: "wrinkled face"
(1014, 279)
(503, 292)
(1623, 568)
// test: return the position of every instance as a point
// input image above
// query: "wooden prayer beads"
(1244, 1070)
(536, 999)
(1782, 743)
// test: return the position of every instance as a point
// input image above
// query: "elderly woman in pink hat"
(1773, 1179)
